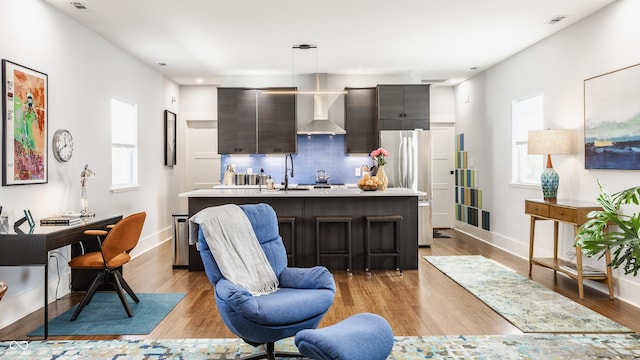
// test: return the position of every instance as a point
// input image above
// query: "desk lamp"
(84, 177)
(549, 142)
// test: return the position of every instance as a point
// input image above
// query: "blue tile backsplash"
(315, 152)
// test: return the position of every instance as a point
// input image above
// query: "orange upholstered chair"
(114, 252)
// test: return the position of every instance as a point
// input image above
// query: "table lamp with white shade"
(548, 142)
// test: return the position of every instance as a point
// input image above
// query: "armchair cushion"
(317, 277)
(285, 306)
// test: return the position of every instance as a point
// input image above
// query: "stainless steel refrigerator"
(409, 166)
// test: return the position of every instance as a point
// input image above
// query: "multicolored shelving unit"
(468, 196)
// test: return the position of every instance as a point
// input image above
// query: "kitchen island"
(303, 205)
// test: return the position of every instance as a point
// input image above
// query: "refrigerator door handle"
(410, 162)
(402, 162)
(395, 166)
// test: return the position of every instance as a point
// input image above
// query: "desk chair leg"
(126, 286)
(120, 292)
(120, 285)
(99, 280)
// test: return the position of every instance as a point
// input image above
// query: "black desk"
(32, 248)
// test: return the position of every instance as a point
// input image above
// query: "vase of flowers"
(378, 155)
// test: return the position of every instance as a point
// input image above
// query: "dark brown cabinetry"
(360, 120)
(403, 107)
(251, 121)
(277, 123)
(237, 131)
(307, 209)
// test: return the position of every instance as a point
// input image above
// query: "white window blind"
(527, 114)
(124, 144)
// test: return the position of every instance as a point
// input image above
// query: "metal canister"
(241, 179)
(252, 179)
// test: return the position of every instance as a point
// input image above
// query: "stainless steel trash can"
(180, 241)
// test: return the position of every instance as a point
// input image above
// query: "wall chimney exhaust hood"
(321, 125)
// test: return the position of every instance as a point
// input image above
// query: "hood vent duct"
(321, 123)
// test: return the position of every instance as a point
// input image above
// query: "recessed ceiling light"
(304, 47)
(199, 81)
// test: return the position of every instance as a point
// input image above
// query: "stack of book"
(61, 220)
(586, 270)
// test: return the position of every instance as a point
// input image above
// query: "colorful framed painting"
(169, 138)
(24, 125)
(612, 120)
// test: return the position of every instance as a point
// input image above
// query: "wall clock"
(62, 145)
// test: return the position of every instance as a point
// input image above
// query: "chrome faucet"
(286, 170)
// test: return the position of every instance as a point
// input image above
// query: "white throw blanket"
(236, 249)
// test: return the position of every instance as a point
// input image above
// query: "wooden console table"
(568, 212)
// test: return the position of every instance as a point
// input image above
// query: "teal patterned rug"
(529, 346)
(529, 306)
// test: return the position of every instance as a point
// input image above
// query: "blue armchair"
(303, 297)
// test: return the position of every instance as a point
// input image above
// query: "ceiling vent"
(79, 6)
(556, 19)
(433, 81)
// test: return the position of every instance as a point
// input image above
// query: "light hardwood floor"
(420, 302)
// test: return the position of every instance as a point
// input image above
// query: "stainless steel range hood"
(321, 123)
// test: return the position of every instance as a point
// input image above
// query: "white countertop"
(242, 192)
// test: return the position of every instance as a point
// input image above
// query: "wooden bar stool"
(291, 250)
(343, 253)
(397, 240)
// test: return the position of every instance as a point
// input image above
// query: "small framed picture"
(169, 138)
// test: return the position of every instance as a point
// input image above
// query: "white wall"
(442, 104)
(557, 67)
(84, 72)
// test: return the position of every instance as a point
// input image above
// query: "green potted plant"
(613, 229)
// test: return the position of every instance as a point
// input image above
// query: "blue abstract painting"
(612, 120)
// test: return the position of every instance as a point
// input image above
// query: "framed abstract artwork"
(612, 120)
(24, 125)
(169, 138)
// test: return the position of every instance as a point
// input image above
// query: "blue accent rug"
(529, 306)
(529, 346)
(105, 315)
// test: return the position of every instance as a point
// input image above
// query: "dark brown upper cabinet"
(237, 131)
(360, 121)
(277, 131)
(253, 122)
(403, 107)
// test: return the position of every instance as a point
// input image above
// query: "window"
(124, 145)
(527, 113)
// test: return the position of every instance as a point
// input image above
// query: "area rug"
(529, 306)
(105, 315)
(530, 346)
